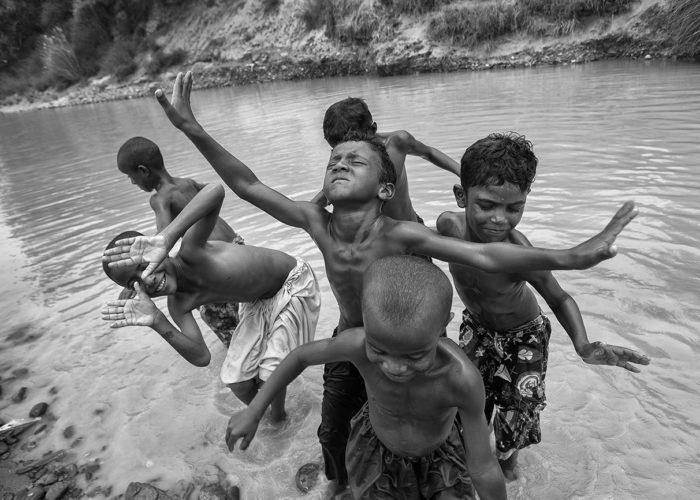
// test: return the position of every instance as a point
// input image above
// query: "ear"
(386, 191)
(373, 127)
(460, 195)
(144, 170)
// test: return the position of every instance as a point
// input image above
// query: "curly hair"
(343, 117)
(497, 159)
(387, 171)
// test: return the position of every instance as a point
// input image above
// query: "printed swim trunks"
(513, 364)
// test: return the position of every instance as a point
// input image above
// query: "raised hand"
(135, 251)
(601, 246)
(138, 311)
(242, 425)
(178, 109)
(598, 353)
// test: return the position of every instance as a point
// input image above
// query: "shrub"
(566, 10)
(328, 13)
(55, 13)
(119, 59)
(360, 27)
(270, 5)
(684, 21)
(472, 25)
(414, 7)
(161, 60)
(90, 33)
(59, 61)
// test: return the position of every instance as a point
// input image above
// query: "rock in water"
(38, 410)
(144, 491)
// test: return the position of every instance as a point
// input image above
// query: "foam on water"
(603, 132)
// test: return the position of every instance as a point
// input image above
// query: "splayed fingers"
(613, 355)
(178, 109)
(601, 246)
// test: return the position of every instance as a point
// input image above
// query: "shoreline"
(413, 59)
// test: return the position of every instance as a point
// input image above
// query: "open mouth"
(338, 179)
(161, 285)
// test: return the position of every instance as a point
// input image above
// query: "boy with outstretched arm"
(425, 399)
(352, 115)
(141, 160)
(359, 178)
(503, 330)
(279, 295)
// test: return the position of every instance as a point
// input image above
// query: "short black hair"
(499, 158)
(387, 170)
(399, 288)
(348, 115)
(120, 275)
(139, 151)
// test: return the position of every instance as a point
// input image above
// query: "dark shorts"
(513, 364)
(376, 472)
(222, 319)
(343, 396)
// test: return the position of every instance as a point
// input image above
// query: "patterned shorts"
(513, 364)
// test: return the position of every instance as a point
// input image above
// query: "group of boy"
(401, 402)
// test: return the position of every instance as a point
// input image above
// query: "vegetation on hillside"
(55, 43)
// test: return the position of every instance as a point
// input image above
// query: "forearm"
(569, 316)
(207, 200)
(232, 171)
(289, 369)
(194, 350)
(440, 159)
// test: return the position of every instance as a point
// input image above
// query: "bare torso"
(226, 272)
(178, 194)
(498, 300)
(413, 418)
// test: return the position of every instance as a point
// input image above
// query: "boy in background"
(359, 179)
(141, 160)
(425, 399)
(279, 294)
(503, 330)
(352, 115)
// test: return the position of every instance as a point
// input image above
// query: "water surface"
(604, 133)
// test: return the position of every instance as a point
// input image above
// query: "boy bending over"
(279, 295)
(503, 330)
(352, 115)
(140, 159)
(425, 399)
(359, 179)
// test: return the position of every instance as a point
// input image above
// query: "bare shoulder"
(398, 139)
(518, 238)
(463, 376)
(451, 224)
(160, 199)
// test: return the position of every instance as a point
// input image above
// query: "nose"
(340, 167)
(394, 367)
(498, 217)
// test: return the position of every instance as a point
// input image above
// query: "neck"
(163, 178)
(353, 224)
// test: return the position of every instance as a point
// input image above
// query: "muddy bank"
(413, 57)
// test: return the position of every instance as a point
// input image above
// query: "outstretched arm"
(195, 223)
(244, 424)
(141, 311)
(234, 173)
(482, 464)
(568, 314)
(412, 146)
(506, 257)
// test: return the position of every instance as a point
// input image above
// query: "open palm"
(598, 353)
(137, 311)
(137, 250)
(178, 109)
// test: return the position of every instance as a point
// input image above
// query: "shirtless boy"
(140, 159)
(353, 115)
(359, 178)
(279, 295)
(503, 330)
(425, 399)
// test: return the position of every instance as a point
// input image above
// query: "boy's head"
(161, 282)
(359, 170)
(496, 175)
(348, 115)
(141, 160)
(406, 304)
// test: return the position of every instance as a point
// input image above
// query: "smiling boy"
(503, 330)
(425, 399)
(359, 179)
(279, 295)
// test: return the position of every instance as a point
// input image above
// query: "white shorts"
(270, 328)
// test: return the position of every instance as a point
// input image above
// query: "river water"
(604, 133)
